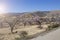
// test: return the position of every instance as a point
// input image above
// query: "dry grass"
(5, 33)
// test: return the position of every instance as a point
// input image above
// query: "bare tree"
(1, 24)
(24, 23)
(40, 23)
(12, 22)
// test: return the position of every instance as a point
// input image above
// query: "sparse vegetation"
(27, 24)
(53, 26)
(12, 22)
(40, 27)
(23, 36)
(40, 23)
(23, 33)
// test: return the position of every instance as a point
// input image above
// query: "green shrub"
(17, 39)
(53, 26)
(23, 36)
(40, 27)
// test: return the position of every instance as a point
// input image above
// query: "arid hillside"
(27, 25)
(29, 18)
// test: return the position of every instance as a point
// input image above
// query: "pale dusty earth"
(5, 32)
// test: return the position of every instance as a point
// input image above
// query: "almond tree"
(12, 22)
(39, 21)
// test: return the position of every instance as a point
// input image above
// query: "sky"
(29, 5)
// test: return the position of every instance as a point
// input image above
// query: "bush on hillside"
(53, 26)
(23, 36)
(40, 27)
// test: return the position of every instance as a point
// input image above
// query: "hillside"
(29, 18)
(27, 25)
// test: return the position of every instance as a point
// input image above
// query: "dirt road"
(54, 35)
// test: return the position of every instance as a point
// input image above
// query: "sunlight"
(2, 8)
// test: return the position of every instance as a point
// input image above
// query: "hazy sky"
(30, 5)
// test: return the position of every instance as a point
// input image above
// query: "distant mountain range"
(37, 13)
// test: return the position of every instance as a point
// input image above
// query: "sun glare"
(2, 9)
